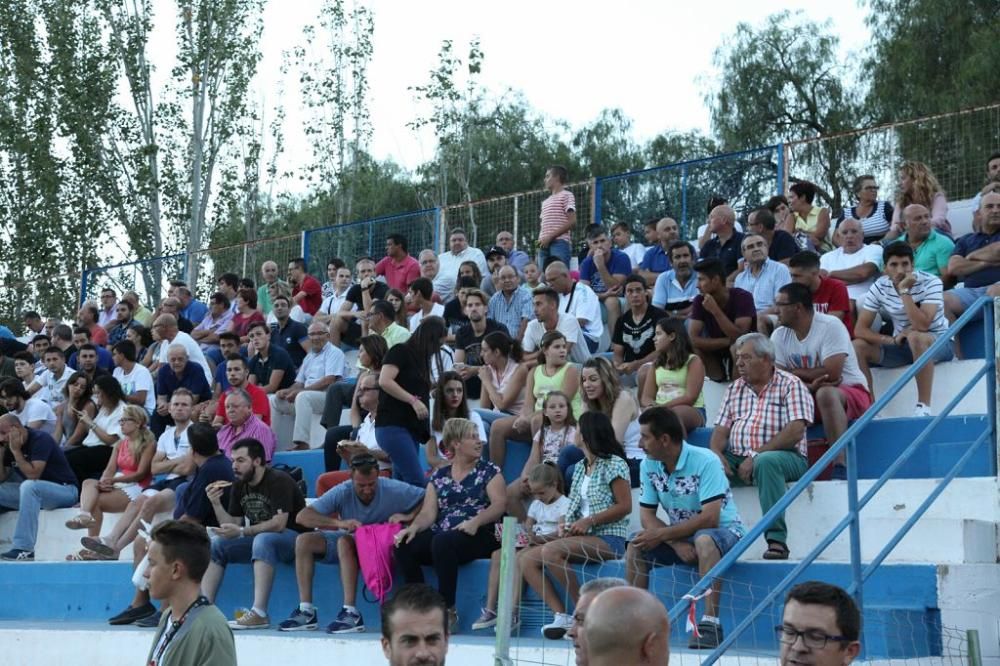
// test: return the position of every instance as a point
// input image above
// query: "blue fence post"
(855, 527)
(83, 286)
(437, 228)
(684, 200)
(598, 192)
(781, 169)
(371, 236)
(990, 356)
(305, 245)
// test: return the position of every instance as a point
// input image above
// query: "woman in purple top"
(456, 524)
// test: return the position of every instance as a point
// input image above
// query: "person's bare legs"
(129, 517)
(307, 546)
(832, 406)
(708, 555)
(211, 580)
(114, 501)
(614, 308)
(953, 309)
(515, 500)
(867, 354)
(347, 554)
(263, 580)
(920, 343)
(690, 417)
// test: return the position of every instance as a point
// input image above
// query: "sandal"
(81, 522)
(97, 545)
(91, 556)
(76, 557)
(776, 551)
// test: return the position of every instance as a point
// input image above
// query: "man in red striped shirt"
(558, 218)
(760, 433)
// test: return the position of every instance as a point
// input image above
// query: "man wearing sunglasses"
(366, 499)
(820, 626)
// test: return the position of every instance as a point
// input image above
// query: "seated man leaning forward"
(913, 299)
(259, 526)
(366, 499)
(691, 486)
(760, 433)
(815, 348)
(719, 315)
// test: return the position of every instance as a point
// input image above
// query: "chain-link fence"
(954, 145)
(683, 190)
(367, 238)
(518, 213)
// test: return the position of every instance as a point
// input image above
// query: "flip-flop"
(776, 551)
(91, 556)
(76, 557)
(80, 522)
(98, 546)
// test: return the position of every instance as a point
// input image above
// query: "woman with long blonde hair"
(918, 185)
(124, 479)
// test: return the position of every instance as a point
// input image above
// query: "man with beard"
(258, 526)
(469, 339)
(675, 289)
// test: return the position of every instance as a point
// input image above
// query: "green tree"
(929, 58)
(783, 81)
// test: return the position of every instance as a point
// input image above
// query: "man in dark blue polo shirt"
(34, 475)
(287, 333)
(178, 373)
(725, 245)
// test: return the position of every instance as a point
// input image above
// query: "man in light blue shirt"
(761, 276)
(677, 287)
(690, 484)
(511, 305)
(366, 499)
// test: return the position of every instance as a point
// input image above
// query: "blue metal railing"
(848, 440)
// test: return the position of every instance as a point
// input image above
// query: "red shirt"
(98, 335)
(831, 297)
(314, 294)
(258, 403)
(398, 276)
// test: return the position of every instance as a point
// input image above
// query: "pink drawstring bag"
(375, 544)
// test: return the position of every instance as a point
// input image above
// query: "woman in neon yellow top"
(678, 376)
(813, 220)
(555, 374)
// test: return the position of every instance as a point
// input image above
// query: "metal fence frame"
(599, 183)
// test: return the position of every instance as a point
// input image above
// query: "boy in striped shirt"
(914, 301)
(557, 219)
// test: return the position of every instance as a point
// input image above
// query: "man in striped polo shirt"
(914, 301)
(558, 218)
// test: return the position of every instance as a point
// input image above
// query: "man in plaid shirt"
(760, 433)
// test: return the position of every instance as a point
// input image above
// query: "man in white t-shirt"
(460, 251)
(420, 292)
(52, 381)
(166, 324)
(914, 300)
(579, 301)
(136, 381)
(816, 348)
(548, 318)
(853, 263)
(173, 458)
(33, 413)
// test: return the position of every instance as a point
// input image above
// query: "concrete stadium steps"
(903, 613)
(55, 540)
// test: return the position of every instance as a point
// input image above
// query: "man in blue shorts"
(691, 486)
(366, 499)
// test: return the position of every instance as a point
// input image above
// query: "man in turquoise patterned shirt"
(691, 486)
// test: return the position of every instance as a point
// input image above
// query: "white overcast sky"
(653, 59)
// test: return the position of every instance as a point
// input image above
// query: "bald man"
(725, 244)
(588, 592)
(626, 625)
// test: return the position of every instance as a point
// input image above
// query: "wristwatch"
(904, 292)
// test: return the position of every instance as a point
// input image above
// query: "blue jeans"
(30, 497)
(270, 547)
(404, 452)
(557, 248)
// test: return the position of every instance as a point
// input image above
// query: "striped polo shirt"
(555, 210)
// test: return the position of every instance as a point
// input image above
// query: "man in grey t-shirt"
(366, 499)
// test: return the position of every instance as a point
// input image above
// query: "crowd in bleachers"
(597, 362)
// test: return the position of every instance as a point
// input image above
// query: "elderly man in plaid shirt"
(760, 433)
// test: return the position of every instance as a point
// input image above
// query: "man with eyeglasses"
(322, 366)
(516, 258)
(107, 312)
(820, 626)
(366, 499)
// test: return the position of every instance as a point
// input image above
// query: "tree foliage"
(783, 80)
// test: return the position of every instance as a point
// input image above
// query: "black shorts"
(353, 333)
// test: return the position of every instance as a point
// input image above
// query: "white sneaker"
(921, 410)
(558, 627)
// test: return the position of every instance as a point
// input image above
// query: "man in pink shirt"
(398, 267)
(558, 218)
